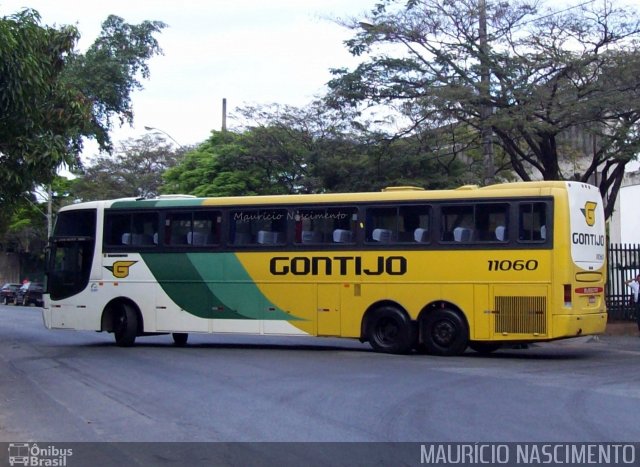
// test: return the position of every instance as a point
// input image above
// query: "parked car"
(30, 293)
(8, 293)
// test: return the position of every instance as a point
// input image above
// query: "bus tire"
(484, 347)
(125, 326)
(445, 333)
(389, 330)
(180, 338)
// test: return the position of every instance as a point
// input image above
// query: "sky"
(247, 51)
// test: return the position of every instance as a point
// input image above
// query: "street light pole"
(158, 130)
(485, 88)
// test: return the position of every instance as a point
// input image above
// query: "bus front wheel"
(445, 332)
(390, 331)
(125, 327)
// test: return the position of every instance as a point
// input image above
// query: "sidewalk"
(622, 328)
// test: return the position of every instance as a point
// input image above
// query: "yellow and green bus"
(402, 269)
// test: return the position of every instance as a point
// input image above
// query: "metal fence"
(623, 264)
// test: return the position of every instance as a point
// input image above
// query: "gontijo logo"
(120, 269)
(589, 212)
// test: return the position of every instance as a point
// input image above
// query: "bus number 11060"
(516, 265)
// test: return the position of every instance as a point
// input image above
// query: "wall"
(9, 268)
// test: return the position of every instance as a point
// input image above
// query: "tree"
(51, 97)
(135, 170)
(283, 149)
(208, 170)
(550, 73)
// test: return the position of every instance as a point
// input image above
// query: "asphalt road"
(78, 386)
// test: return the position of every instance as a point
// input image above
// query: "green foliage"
(41, 119)
(310, 150)
(108, 72)
(27, 228)
(212, 169)
(51, 97)
(134, 170)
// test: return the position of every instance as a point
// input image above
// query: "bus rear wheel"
(445, 332)
(390, 331)
(125, 326)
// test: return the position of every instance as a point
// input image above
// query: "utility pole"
(224, 114)
(485, 88)
(49, 212)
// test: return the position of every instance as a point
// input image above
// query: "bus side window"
(310, 226)
(144, 226)
(457, 223)
(258, 227)
(414, 223)
(117, 229)
(490, 222)
(382, 224)
(532, 222)
(342, 223)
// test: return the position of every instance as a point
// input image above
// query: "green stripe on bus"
(212, 286)
(149, 204)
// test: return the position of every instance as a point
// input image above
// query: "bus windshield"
(71, 253)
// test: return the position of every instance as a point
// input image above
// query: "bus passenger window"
(382, 224)
(532, 222)
(457, 223)
(490, 222)
(131, 229)
(144, 225)
(325, 225)
(206, 228)
(258, 227)
(398, 224)
(413, 224)
(117, 229)
(178, 226)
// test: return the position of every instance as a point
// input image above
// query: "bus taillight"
(567, 294)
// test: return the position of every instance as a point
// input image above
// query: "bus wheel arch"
(443, 329)
(123, 318)
(388, 328)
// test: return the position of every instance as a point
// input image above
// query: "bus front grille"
(520, 315)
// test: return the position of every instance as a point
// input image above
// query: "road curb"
(621, 328)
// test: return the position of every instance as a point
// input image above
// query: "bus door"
(520, 310)
(483, 316)
(68, 274)
(328, 309)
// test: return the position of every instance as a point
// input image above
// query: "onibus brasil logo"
(34, 455)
